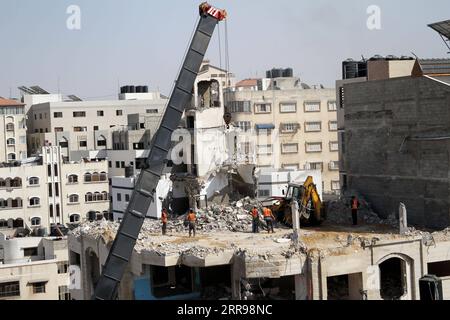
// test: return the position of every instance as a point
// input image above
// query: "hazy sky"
(143, 41)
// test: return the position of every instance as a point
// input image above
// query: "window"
(332, 106)
(288, 107)
(335, 185)
(95, 128)
(11, 157)
(83, 143)
(117, 164)
(240, 106)
(315, 166)
(109, 164)
(263, 108)
(101, 142)
(40, 116)
(289, 127)
(87, 177)
(59, 129)
(10, 127)
(264, 149)
(79, 129)
(74, 198)
(127, 198)
(292, 167)
(119, 112)
(100, 113)
(10, 289)
(33, 181)
(72, 179)
(103, 176)
(122, 164)
(11, 142)
(334, 146)
(30, 252)
(35, 222)
(105, 196)
(333, 166)
(89, 197)
(79, 114)
(289, 148)
(119, 197)
(35, 201)
(63, 267)
(333, 126)
(95, 177)
(39, 287)
(263, 193)
(64, 293)
(313, 126)
(74, 218)
(244, 125)
(341, 97)
(313, 147)
(312, 106)
(55, 167)
(57, 114)
(153, 111)
(138, 146)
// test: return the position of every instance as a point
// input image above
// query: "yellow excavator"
(310, 205)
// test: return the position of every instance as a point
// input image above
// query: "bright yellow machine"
(309, 204)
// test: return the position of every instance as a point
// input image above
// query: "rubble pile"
(339, 212)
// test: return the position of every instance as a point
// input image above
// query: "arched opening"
(74, 218)
(11, 157)
(3, 203)
(393, 279)
(35, 222)
(104, 196)
(18, 223)
(16, 183)
(89, 197)
(95, 177)
(73, 178)
(2, 183)
(103, 176)
(3, 223)
(16, 203)
(74, 198)
(87, 177)
(11, 142)
(33, 181)
(35, 201)
(92, 216)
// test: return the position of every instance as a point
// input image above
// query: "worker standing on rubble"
(268, 217)
(164, 219)
(255, 220)
(355, 206)
(191, 219)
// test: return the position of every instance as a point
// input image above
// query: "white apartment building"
(47, 190)
(13, 131)
(289, 125)
(34, 268)
(80, 126)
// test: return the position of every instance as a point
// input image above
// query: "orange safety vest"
(191, 217)
(164, 217)
(255, 213)
(355, 204)
(267, 213)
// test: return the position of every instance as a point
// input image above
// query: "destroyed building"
(226, 261)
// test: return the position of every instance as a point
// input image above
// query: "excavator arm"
(311, 194)
(144, 192)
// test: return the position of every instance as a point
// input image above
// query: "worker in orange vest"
(268, 217)
(255, 221)
(354, 204)
(164, 219)
(191, 219)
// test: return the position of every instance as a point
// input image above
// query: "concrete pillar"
(355, 286)
(403, 219)
(295, 221)
(301, 287)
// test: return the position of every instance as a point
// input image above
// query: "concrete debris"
(339, 212)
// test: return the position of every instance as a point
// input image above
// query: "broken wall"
(387, 169)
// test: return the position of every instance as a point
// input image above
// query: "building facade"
(48, 191)
(34, 268)
(288, 125)
(13, 131)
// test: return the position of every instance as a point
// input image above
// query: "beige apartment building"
(288, 125)
(80, 126)
(47, 190)
(34, 268)
(13, 131)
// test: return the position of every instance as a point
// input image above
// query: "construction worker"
(164, 219)
(354, 204)
(255, 221)
(268, 217)
(191, 219)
